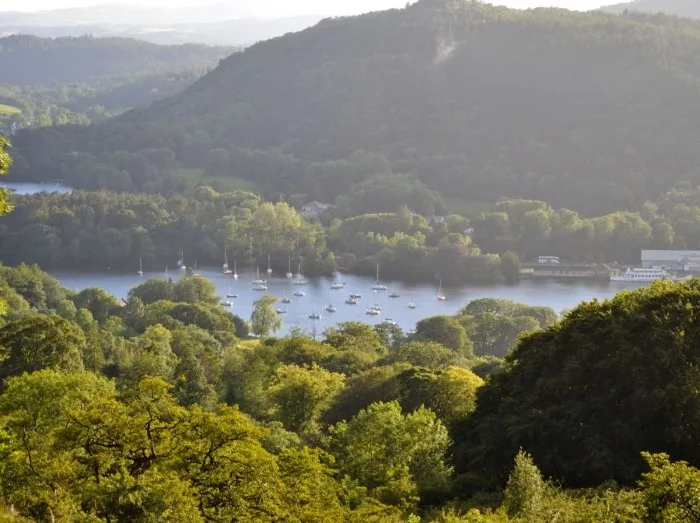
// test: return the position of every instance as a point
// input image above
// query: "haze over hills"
(588, 111)
(226, 23)
(684, 8)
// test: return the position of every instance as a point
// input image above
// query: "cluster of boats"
(260, 284)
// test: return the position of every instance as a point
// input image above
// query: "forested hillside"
(587, 111)
(29, 60)
(684, 8)
(58, 81)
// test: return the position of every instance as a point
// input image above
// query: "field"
(465, 208)
(195, 177)
(8, 109)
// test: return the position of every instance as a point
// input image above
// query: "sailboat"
(166, 272)
(289, 269)
(314, 315)
(140, 273)
(411, 304)
(227, 271)
(257, 280)
(440, 296)
(231, 294)
(378, 286)
(286, 299)
(331, 308)
(235, 270)
(195, 273)
(269, 265)
(181, 261)
(300, 279)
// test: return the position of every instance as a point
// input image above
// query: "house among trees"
(313, 210)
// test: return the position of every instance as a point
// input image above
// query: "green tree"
(191, 386)
(40, 342)
(670, 491)
(5, 164)
(98, 302)
(524, 493)
(264, 320)
(447, 331)
(394, 454)
(423, 354)
(153, 290)
(300, 395)
(612, 369)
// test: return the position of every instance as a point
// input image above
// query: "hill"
(587, 111)
(683, 8)
(79, 80)
(30, 60)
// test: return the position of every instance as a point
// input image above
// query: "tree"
(153, 290)
(447, 331)
(524, 491)
(98, 302)
(5, 164)
(423, 354)
(264, 320)
(40, 342)
(191, 387)
(301, 395)
(588, 395)
(670, 491)
(394, 455)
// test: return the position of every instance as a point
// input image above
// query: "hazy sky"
(303, 6)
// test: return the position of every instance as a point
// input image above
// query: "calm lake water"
(34, 188)
(557, 295)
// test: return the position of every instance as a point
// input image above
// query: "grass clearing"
(197, 177)
(9, 109)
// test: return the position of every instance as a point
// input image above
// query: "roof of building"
(659, 255)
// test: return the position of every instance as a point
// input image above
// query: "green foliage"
(525, 489)
(264, 319)
(102, 229)
(447, 331)
(40, 342)
(670, 491)
(589, 394)
(393, 454)
(300, 395)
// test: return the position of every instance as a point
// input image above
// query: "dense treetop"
(588, 111)
(684, 8)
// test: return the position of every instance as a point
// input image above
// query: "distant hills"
(588, 111)
(226, 23)
(683, 8)
(79, 80)
(30, 60)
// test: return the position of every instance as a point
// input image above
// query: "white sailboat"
(227, 271)
(235, 270)
(411, 304)
(289, 269)
(231, 294)
(314, 315)
(181, 262)
(140, 273)
(286, 300)
(257, 280)
(300, 279)
(269, 265)
(440, 296)
(378, 286)
(331, 308)
(195, 273)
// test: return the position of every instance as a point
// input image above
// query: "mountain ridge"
(588, 111)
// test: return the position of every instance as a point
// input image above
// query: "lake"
(557, 295)
(34, 188)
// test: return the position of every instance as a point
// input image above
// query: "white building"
(672, 260)
(312, 210)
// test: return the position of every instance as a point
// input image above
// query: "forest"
(85, 80)
(567, 117)
(163, 405)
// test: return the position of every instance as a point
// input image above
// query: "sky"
(303, 6)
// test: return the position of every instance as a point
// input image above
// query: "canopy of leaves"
(589, 394)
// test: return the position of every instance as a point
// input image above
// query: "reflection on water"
(557, 295)
(34, 188)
